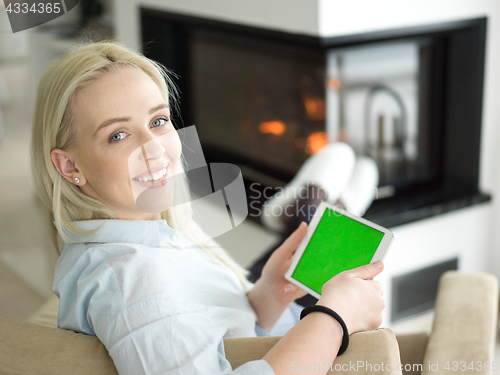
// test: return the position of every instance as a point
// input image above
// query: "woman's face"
(125, 143)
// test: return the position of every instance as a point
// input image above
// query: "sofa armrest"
(464, 326)
(369, 352)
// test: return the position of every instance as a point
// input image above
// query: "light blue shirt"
(157, 308)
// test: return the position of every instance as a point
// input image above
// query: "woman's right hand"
(357, 299)
(317, 338)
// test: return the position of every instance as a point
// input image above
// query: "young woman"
(127, 273)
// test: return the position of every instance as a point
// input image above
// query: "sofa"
(463, 332)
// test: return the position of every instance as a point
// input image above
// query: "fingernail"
(378, 264)
(287, 289)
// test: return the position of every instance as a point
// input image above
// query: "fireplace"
(409, 98)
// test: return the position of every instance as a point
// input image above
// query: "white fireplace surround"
(471, 234)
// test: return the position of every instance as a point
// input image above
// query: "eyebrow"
(125, 119)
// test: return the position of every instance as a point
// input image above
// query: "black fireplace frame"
(458, 95)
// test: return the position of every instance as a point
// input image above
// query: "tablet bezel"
(380, 253)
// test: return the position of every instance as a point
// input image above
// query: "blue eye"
(117, 137)
(159, 122)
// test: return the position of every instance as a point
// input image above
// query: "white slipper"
(330, 169)
(362, 188)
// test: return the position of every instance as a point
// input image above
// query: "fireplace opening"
(410, 98)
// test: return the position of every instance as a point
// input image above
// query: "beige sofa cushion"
(46, 315)
(412, 348)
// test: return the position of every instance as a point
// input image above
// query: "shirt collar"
(149, 233)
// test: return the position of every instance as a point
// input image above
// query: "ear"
(65, 165)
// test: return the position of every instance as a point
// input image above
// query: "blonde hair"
(53, 128)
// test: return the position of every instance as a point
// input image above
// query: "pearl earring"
(77, 180)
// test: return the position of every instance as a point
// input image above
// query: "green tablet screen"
(339, 243)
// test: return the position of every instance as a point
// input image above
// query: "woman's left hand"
(272, 293)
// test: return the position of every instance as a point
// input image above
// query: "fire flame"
(275, 127)
(315, 142)
(315, 108)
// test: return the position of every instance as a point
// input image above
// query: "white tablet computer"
(336, 241)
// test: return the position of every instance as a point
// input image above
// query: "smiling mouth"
(152, 176)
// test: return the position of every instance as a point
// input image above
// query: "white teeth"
(156, 176)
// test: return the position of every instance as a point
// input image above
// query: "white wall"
(298, 16)
(463, 234)
(358, 16)
(12, 46)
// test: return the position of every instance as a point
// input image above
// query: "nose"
(152, 148)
